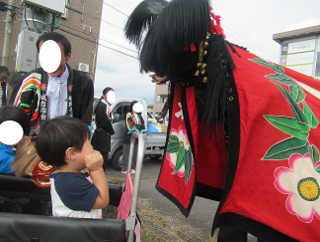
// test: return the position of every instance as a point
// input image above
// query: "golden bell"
(204, 66)
(205, 52)
(205, 79)
(203, 72)
(199, 64)
(197, 73)
(206, 44)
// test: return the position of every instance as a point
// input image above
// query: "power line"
(96, 43)
(100, 38)
(129, 4)
(253, 41)
(268, 54)
(113, 8)
(93, 17)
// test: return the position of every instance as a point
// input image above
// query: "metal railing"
(131, 220)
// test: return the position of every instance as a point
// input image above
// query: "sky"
(248, 23)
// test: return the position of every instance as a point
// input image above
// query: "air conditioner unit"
(83, 67)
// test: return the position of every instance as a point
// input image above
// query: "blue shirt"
(6, 158)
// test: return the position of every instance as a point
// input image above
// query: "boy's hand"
(94, 161)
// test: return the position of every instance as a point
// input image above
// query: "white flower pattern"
(180, 113)
(301, 181)
(183, 138)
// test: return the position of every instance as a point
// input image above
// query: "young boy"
(64, 143)
(6, 152)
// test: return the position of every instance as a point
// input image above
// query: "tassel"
(218, 64)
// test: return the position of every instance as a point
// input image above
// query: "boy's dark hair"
(57, 135)
(4, 69)
(16, 114)
(58, 38)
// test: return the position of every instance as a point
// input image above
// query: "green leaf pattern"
(285, 148)
(273, 66)
(297, 93)
(283, 79)
(312, 119)
(314, 153)
(289, 126)
(179, 149)
(299, 126)
(173, 147)
(180, 159)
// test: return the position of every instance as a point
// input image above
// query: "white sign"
(305, 69)
(298, 59)
(301, 46)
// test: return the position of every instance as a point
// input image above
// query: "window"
(122, 110)
(161, 98)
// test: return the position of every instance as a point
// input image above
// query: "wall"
(160, 90)
(83, 51)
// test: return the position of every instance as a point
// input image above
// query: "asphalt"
(202, 212)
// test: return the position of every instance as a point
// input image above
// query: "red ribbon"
(215, 24)
(192, 47)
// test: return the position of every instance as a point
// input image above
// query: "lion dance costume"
(242, 130)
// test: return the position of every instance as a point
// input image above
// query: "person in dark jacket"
(101, 139)
(4, 74)
(134, 123)
(44, 95)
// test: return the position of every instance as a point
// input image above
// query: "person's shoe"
(133, 171)
(124, 172)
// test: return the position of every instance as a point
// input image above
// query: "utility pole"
(7, 35)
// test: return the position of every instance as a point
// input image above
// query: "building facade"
(160, 97)
(82, 30)
(300, 50)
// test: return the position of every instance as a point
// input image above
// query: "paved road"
(202, 212)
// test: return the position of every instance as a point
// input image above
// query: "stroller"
(16, 227)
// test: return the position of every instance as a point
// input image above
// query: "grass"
(157, 226)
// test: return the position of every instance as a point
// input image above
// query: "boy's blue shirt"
(6, 158)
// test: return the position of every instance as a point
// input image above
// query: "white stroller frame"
(131, 220)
